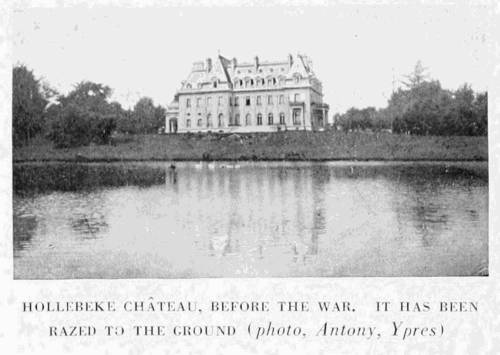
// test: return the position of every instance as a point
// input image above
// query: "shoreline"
(166, 160)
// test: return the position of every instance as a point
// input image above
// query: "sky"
(359, 52)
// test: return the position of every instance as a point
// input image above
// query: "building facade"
(223, 95)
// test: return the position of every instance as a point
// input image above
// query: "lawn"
(292, 145)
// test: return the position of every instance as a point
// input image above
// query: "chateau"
(260, 96)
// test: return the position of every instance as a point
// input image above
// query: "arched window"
(188, 123)
(296, 116)
(237, 119)
(200, 123)
(282, 118)
(251, 82)
(248, 120)
(209, 120)
(259, 119)
(221, 116)
(188, 86)
(241, 83)
(274, 81)
(270, 118)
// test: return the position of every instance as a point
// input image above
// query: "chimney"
(209, 65)
(256, 63)
(290, 60)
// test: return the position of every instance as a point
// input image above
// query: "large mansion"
(260, 96)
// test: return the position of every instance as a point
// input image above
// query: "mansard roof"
(223, 70)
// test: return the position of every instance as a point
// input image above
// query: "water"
(145, 220)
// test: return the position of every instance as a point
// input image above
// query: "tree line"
(85, 115)
(422, 107)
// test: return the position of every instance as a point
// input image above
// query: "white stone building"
(223, 95)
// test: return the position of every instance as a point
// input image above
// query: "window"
(220, 101)
(237, 119)
(247, 101)
(297, 79)
(247, 83)
(263, 82)
(282, 118)
(270, 119)
(281, 100)
(188, 123)
(215, 84)
(236, 101)
(248, 120)
(297, 97)
(269, 100)
(221, 116)
(188, 102)
(259, 119)
(230, 101)
(209, 120)
(259, 100)
(198, 102)
(269, 82)
(199, 122)
(251, 82)
(296, 116)
(188, 86)
(241, 83)
(209, 101)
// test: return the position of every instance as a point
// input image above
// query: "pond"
(252, 219)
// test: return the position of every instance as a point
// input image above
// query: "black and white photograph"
(250, 142)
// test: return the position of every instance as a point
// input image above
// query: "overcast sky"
(356, 50)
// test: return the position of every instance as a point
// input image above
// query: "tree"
(480, 107)
(417, 77)
(147, 118)
(423, 107)
(84, 116)
(28, 104)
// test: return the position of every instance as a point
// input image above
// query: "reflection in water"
(252, 219)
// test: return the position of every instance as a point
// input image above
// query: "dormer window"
(215, 84)
(188, 86)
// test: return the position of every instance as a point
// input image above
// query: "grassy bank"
(274, 146)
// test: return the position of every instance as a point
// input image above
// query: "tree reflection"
(89, 225)
(23, 232)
